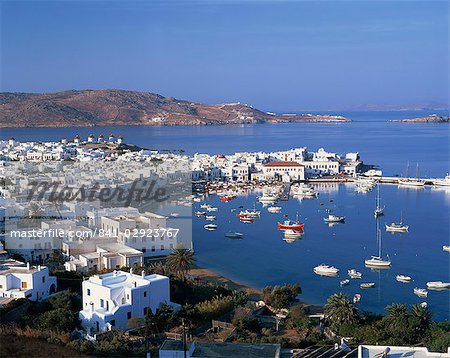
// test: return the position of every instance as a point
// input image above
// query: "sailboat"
(379, 211)
(377, 261)
(398, 227)
(407, 181)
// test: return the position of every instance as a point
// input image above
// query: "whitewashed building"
(111, 299)
(19, 280)
(284, 170)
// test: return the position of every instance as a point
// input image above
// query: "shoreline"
(214, 277)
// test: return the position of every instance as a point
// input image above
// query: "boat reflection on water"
(291, 236)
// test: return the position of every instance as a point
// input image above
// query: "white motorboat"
(326, 270)
(334, 219)
(268, 198)
(211, 208)
(403, 278)
(443, 182)
(234, 235)
(197, 200)
(421, 292)
(210, 227)
(367, 285)
(354, 274)
(356, 298)
(274, 209)
(210, 217)
(446, 248)
(438, 285)
(344, 282)
(200, 213)
(205, 206)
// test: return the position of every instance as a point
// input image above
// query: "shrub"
(281, 296)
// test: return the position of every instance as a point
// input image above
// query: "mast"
(417, 170)
(379, 243)
(407, 169)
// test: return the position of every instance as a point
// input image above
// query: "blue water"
(264, 258)
(387, 144)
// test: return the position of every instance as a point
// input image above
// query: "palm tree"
(339, 310)
(180, 261)
(159, 268)
(422, 317)
(397, 318)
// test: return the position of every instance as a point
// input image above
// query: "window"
(162, 247)
(145, 293)
(24, 284)
(102, 303)
(88, 292)
(153, 248)
(43, 279)
(113, 322)
(128, 314)
(145, 311)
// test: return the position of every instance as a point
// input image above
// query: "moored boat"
(267, 198)
(234, 235)
(210, 217)
(291, 225)
(438, 285)
(403, 278)
(446, 248)
(354, 274)
(421, 292)
(344, 282)
(246, 219)
(377, 262)
(274, 209)
(356, 298)
(200, 213)
(210, 227)
(334, 219)
(367, 285)
(326, 270)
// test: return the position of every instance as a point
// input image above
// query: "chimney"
(143, 273)
(39, 267)
(28, 266)
(131, 270)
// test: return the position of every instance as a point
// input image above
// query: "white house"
(111, 299)
(19, 280)
(284, 170)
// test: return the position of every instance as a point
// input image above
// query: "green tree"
(422, 319)
(397, 321)
(339, 310)
(180, 261)
(159, 268)
(280, 296)
(59, 319)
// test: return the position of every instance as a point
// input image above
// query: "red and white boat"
(246, 219)
(291, 225)
(226, 198)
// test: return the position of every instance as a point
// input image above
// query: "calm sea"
(263, 258)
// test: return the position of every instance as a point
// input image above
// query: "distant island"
(111, 107)
(432, 118)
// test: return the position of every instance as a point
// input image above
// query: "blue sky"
(276, 55)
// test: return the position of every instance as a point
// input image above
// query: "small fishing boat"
(446, 248)
(291, 225)
(210, 217)
(211, 208)
(200, 213)
(226, 198)
(210, 227)
(403, 278)
(421, 292)
(246, 219)
(354, 274)
(400, 227)
(367, 285)
(197, 200)
(334, 219)
(234, 235)
(356, 298)
(274, 209)
(205, 206)
(326, 270)
(438, 285)
(344, 282)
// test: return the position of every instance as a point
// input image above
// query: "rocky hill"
(86, 108)
(432, 118)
